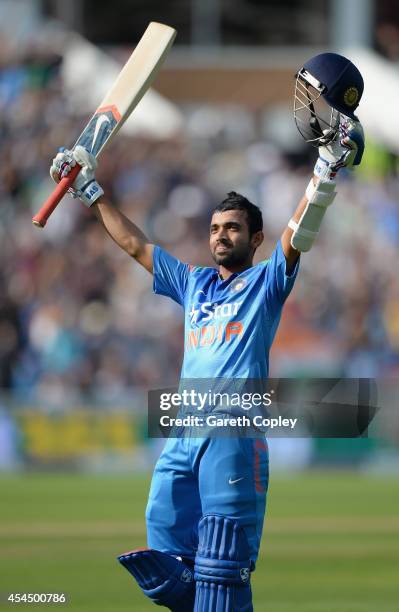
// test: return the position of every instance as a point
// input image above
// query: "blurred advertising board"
(72, 437)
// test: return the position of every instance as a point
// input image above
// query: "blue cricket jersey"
(229, 324)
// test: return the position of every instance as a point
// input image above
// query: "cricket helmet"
(327, 86)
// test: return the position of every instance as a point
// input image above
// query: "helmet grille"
(317, 122)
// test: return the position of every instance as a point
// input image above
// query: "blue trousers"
(198, 476)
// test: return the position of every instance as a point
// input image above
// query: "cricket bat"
(130, 86)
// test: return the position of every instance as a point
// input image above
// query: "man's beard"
(235, 256)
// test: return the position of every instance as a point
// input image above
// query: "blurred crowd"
(77, 315)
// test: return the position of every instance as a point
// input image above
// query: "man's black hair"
(236, 201)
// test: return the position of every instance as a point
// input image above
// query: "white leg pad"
(319, 196)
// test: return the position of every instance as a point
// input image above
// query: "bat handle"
(55, 198)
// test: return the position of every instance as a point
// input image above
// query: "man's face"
(229, 239)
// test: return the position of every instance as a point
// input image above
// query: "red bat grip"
(55, 198)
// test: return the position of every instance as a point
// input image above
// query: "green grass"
(331, 542)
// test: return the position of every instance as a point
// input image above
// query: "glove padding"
(346, 151)
(85, 186)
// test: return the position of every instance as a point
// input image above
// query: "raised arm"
(123, 231)
(291, 254)
(344, 152)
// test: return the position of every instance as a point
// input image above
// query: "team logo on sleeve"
(238, 284)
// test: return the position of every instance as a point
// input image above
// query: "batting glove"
(346, 151)
(85, 186)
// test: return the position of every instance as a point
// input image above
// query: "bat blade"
(130, 86)
(133, 81)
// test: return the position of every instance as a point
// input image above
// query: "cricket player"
(208, 494)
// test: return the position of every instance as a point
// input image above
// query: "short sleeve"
(170, 275)
(278, 283)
